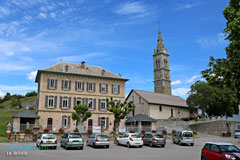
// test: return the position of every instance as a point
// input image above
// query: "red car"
(220, 151)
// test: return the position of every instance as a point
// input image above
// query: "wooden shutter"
(46, 101)
(118, 89)
(83, 100)
(82, 86)
(55, 102)
(76, 85)
(60, 102)
(86, 101)
(69, 121)
(99, 121)
(94, 104)
(112, 88)
(99, 104)
(69, 85)
(87, 86)
(63, 121)
(74, 101)
(55, 83)
(62, 84)
(49, 83)
(107, 122)
(106, 88)
(69, 102)
(94, 87)
(100, 87)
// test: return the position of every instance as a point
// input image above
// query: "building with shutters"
(64, 85)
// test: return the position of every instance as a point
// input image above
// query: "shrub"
(132, 130)
(61, 130)
(89, 131)
(154, 131)
(164, 132)
(143, 131)
(185, 119)
(174, 132)
(76, 130)
(196, 118)
(27, 131)
(195, 132)
(46, 130)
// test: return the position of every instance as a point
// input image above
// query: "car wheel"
(61, 144)
(150, 144)
(55, 147)
(128, 145)
(65, 146)
(163, 145)
(118, 143)
(203, 158)
(107, 146)
(192, 144)
(140, 146)
(94, 145)
(81, 148)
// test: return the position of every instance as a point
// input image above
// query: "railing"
(135, 128)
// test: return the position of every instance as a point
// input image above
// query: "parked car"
(130, 139)
(183, 137)
(154, 139)
(237, 134)
(220, 151)
(98, 140)
(46, 140)
(72, 140)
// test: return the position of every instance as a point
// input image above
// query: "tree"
(213, 100)
(120, 111)
(30, 94)
(81, 114)
(225, 72)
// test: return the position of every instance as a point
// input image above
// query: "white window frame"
(91, 104)
(79, 86)
(66, 84)
(78, 100)
(52, 83)
(65, 102)
(103, 119)
(90, 87)
(103, 102)
(103, 88)
(65, 122)
(115, 89)
(51, 100)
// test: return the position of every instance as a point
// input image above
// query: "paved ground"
(170, 152)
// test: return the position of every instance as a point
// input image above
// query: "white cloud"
(16, 88)
(216, 40)
(9, 53)
(131, 8)
(193, 78)
(182, 6)
(4, 11)
(26, 49)
(2, 94)
(42, 15)
(53, 15)
(176, 82)
(32, 75)
(180, 91)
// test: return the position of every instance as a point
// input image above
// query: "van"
(183, 137)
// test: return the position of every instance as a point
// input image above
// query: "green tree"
(225, 72)
(213, 100)
(81, 114)
(120, 111)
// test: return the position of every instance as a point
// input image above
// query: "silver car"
(44, 141)
(184, 137)
(237, 134)
(154, 139)
(96, 140)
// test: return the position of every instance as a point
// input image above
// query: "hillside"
(6, 111)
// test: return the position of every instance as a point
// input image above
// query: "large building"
(159, 104)
(64, 85)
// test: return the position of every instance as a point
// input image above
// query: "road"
(170, 152)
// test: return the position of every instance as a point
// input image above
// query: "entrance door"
(49, 123)
(90, 123)
(171, 112)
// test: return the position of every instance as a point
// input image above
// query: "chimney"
(83, 65)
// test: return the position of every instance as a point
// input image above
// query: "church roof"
(141, 118)
(76, 69)
(158, 98)
(25, 114)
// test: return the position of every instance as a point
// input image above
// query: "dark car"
(154, 139)
(220, 151)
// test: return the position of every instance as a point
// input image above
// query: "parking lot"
(170, 152)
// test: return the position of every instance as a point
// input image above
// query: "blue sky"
(117, 35)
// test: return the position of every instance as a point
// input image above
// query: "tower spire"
(160, 44)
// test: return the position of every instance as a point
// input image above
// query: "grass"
(6, 113)
(3, 139)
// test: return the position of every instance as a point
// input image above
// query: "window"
(90, 104)
(66, 68)
(214, 148)
(91, 87)
(50, 102)
(103, 122)
(102, 104)
(160, 108)
(139, 100)
(78, 101)
(79, 86)
(115, 89)
(66, 120)
(207, 146)
(103, 88)
(65, 102)
(66, 84)
(52, 84)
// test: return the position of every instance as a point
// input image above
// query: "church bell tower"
(162, 82)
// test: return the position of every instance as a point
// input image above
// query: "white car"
(130, 139)
(44, 141)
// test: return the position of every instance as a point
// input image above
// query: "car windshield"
(187, 134)
(237, 131)
(135, 136)
(75, 135)
(102, 136)
(158, 136)
(49, 137)
(229, 148)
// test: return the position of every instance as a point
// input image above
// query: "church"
(160, 104)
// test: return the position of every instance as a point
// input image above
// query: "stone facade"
(60, 88)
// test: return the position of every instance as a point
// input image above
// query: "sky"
(118, 35)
